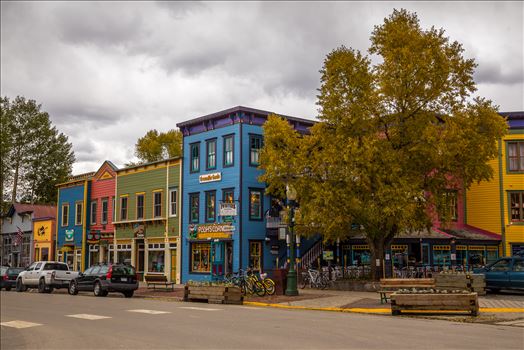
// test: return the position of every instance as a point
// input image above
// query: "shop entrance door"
(140, 258)
(217, 259)
(173, 265)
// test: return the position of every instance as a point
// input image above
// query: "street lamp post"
(291, 288)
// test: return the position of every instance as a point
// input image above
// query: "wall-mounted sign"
(93, 236)
(69, 235)
(210, 177)
(139, 230)
(209, 231)
(228, 209)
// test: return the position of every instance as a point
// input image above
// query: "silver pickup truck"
(45, 275)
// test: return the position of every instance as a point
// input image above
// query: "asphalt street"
(61, 321)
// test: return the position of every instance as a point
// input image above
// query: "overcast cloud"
(109, 71)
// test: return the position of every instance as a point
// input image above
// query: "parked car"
(104, 278)
(45, 275)
(505, 273)
(8, 276)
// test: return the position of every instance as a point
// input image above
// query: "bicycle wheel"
(304, 281)
(259, 289)
(270, 286)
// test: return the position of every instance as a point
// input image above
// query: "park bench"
(391, 285)
(158, 280)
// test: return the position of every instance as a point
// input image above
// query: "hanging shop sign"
(228, 209)
(139, 230)
(69, 235)
(211, 231)
(327, 255)
(210, 177)
(93, 236)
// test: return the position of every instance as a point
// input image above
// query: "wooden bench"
(158, 280)
(467, 302)
(391, 285)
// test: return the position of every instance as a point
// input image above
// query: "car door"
(516, 275)
(26, 277)
(93, 275)
(497, 275)
(33, 275)
(83, 278)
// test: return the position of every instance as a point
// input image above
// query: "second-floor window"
(255, 142)
(516, 206)
(78, 213)
(65, 214)
(228, 195)
(105, 210)
(211, 161)
(228, 150)
(139, 206)
(195, 157)
(210, 206)
(516, 156)
(193, 207)
(157, 204)
(172, 202)
(123, 208)
(255, 204)
(93, 213)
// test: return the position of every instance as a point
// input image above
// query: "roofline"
(147, 164)
(240, 109)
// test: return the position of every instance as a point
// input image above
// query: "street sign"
(327, 255)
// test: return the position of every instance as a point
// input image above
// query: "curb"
(377, 310)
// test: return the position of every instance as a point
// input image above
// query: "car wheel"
(73, 288)
(20, 287)
(98, 290)
(41, 286)
(129, 293)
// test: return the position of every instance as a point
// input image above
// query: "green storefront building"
(147, 222)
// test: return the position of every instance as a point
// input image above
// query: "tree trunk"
(376, 247)
(15, 181)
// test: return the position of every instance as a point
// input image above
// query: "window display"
(156, 261)
(200, 257)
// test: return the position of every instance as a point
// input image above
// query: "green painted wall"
(148, 181)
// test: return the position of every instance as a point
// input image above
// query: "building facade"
(147, 224)
(497, 206)
(224, 205)
(19, 230)
(44, 238)
(100, 235)
(72, 221)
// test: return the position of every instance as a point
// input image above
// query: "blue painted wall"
(70, 195)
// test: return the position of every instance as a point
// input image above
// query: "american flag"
(19, 237)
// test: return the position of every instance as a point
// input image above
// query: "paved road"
(86, 322)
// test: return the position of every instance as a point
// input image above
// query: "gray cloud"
(109, 71)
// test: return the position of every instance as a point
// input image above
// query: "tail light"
(109, 272)
(5, 278)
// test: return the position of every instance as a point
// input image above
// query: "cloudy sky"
(109, 71)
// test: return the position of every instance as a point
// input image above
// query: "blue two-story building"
(224, 205)
(72, 221)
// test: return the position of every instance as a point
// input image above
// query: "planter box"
(409, 302)
(214, 294)
(471, 282)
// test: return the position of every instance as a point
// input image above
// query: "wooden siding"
(103, 186)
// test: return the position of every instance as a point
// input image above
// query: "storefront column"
(167, 260)
(453, 246)
(101, 253)
(134, 250)
(146, 256)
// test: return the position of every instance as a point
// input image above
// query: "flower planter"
(439, 301)
(213, 294)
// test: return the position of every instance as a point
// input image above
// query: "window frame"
(81, 206)
(197, 196)
(143, 195)
(520, 168)
(261, 191)
(224, 150)
(260, 256)
(155, 205)
(124, 209)
(64, 205)
(260, 139)
(226, 191)
(208, 142)
(93, 213)
(106, 212)
(194, 145)
(171, 191)
(191, 265)
(520, 221)
(208, 194)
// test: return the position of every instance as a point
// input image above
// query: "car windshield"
(123, 270)
(3, 270)
(55, 266)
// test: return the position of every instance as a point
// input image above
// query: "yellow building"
(43, 239)
(497, 206)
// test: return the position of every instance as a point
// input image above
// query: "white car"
(45, 275)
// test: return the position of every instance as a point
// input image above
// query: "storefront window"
(255, 255)
(93, 254)
(361, 257)
(200, 257)
(123, 253)
(492, 254)
(156, 260)
(45, 254)
(78, 260)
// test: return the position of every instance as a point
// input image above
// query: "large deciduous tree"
(34, 155)
(393, 137)
(154, 146)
